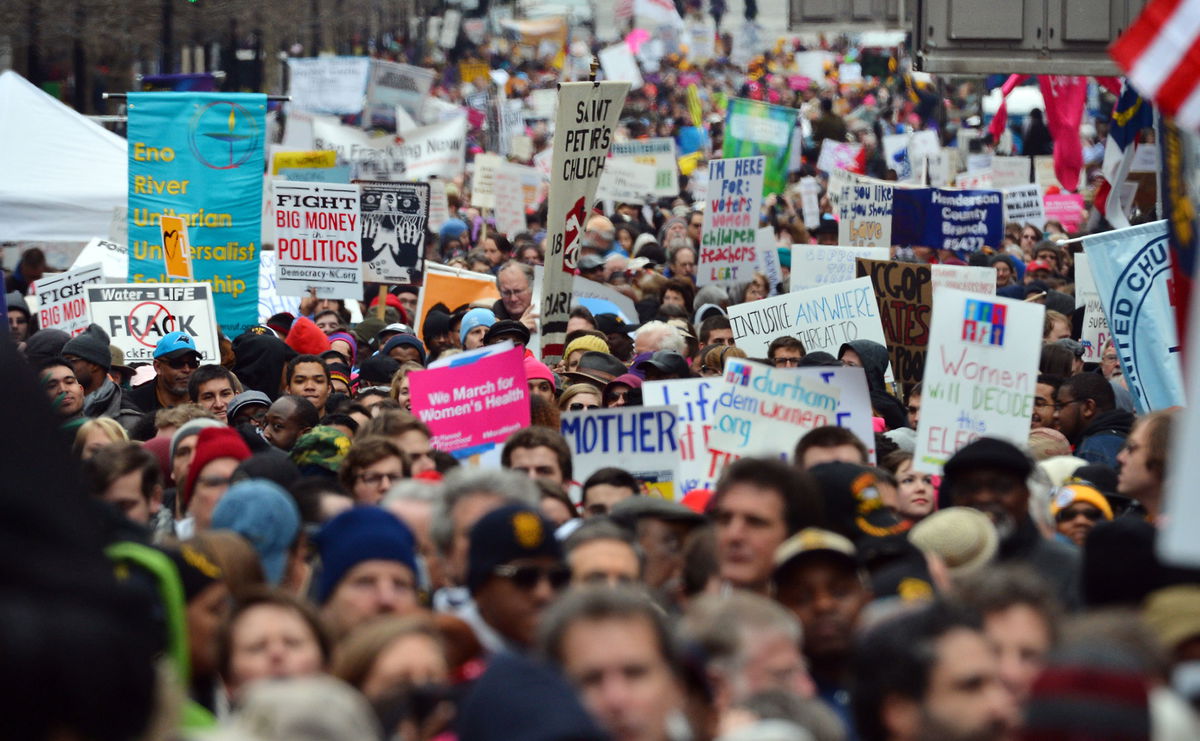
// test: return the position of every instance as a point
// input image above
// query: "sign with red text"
(980, 375)
(967, 278)
(468, 406)
(729, 237)
(62, 299)
(138, 315)
(317, 239)
(904, 292)
(694, 399)
(1065, 208)
(865, 215)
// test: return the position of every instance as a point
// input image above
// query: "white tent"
(62, 174)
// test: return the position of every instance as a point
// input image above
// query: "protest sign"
(660, 153)
(730, 232)
(981, 377)
(904, 293)
(810, 201)
(837, 155)
(329, 85)
(1023, 205)
(1095, 325)
(865, 215)
(768, 260)
(1009, 172)
(452, 287)
(761, 410)
(317, 159)
(270, 302)
(483, 194)
(176, 247)
(200, 157)
(584, 291)
(395, 84)
(62, 298)
(694, 399)
(468, 406)
(1067, 209)
(974, 180)
(451, 22)
(439, 206)
(964, 278)
(509, 210)
(1132, 268)
(626, 181)
(587, 114)
(369, 157)
(819, 264)
(317, 239)
(138, 315)
(435, 151)
(754, 128)
(897, 158)
(964, 221)
(393, 231)
(113, 259)
(618, 64)
(641, 440)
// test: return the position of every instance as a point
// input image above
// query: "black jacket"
(875, 358)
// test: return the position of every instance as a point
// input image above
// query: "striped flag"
(1130, 115)
(1160, 54)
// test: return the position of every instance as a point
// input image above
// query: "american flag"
(1160, 54)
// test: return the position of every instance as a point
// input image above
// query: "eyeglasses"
(513, 294)
(577, 406)
(785, 362)
(1060, 405)
(374, 479)
(1066, 515)
(527, 576)
(187, 361)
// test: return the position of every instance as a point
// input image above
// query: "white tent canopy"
(62, 174)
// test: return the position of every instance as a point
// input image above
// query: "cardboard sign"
(483, 194)
(317, 239)
(468, 406)
(964, 221)
(904, 293)
(329, 85)
(1023, 204)
(625, 180)
(865, 215)
(138, 315)
(762, 410)
(587, 115)
(642, 440)
(393, 231)
(1131, 268)
(981, 377)
(113, 259)
(964, 278)
(821, 265)
(694, 400)
(1067, 209)
(768, 259)
(823, 318)
(177, 249)
(453, 288)
(62, 298)
(730, 232)
(1095, 325)
(509, 210)
(837, 155)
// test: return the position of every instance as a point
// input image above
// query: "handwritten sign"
(1023, 204)
(1095, 325)
(642, 440)
(981, 376)
(659, 152)
(317, 239)
(904, 293)
(694, 400)
(468, 406)
(729, 235)
(625, 180)
(964, 278)
(483, 188)
(865, 216)
(509, 210)
(1009, 172)
(820, 265)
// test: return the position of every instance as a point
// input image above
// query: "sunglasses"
(577, 406)
(1066, 515)
(187, 361)
(526, 577)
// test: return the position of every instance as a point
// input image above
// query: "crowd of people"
(269, 546)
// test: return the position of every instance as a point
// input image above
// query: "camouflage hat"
(321, 451)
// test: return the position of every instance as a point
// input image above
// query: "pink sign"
(468, 406)
(1066, 208)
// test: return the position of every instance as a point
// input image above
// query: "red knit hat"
(306, 338)
(212, 443)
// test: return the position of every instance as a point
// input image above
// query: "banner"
(626, 181)
(468, 406)
(138, 315)
(964, 221)
(821, 265)
(964, 278)
(729, 235)
(1095, 325)
(199, 156)
(752, 129)
(904, 293)
(1132, 268)
(694, 400)
(660, 153)
(587, 114)
(62, 298)
(641, 440)
(393, 231)
(761, 410)
(981, 377)
(823, 318)
(865, 215)
(1023, 205)
(394, 84)
(328, 85)
(437, 150)
(317, 240)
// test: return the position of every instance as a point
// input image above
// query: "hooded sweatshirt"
(1103, 438)
(110, 401)
(874, 358)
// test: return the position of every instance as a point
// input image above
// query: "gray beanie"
(92, 345)
(190, 429)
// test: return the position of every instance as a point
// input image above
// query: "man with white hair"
(655, 336)
(414, 502)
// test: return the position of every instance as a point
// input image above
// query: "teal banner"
(199, 157)
(753, 128)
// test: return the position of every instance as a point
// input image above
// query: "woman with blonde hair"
(95, 434)
(399, 386)
(391, 652)
(580, 396)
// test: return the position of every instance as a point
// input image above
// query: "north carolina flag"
(1130, 115)
(1160, 54)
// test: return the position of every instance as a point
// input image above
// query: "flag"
(1065, 97)
(1000, 120)
(1160, 54)
(1130, 115)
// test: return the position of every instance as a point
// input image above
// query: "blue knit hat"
(264, 514)
(475, 318)
(505, 535)
(401, 340)
(357, 535)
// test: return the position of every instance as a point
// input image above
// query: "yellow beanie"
(586, 342)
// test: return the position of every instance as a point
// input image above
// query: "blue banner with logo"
(199, 157)
(1132, 269)
(964, 221)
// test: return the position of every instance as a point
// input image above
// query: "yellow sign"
(472, 71)
(177, 252)
(318, 158)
